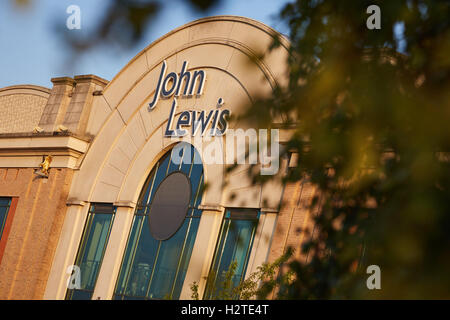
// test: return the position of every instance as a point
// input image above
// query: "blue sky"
(32, 51)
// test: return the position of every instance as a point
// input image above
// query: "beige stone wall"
(294, 217)
(35, 230)
(20, 112)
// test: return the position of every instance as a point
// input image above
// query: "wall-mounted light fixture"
(44, 167)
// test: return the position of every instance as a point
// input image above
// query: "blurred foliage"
(22, 3)
(370, 126)
(127, 20)
(124, 22)
(258, 284)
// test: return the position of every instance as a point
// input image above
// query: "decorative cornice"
(28, 151)
(25, 143)
(91, 78)
(63, 80)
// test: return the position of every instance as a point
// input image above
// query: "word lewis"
(198, 120)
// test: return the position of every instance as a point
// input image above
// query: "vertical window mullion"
(252, 238)
(133, 255)
(181, 256)
(153, 269)
(221, 247)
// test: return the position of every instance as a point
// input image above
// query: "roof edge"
(26, 87)
(257, 24)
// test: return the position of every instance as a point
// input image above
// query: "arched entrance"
(152, 268)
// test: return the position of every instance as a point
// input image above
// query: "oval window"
(169, 206)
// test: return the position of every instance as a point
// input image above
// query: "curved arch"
(242, 47)
(252, 23)
(251, 35)
(128, 122)
(141, 155)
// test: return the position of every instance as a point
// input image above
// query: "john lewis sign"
(186, 85)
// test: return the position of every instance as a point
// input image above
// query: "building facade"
(94, 174)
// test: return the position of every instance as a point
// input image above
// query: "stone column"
(67, 250)
(261, 242)
(78, 111)
(55, 109)
(203, 251)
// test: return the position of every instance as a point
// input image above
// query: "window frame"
(221, 242)
(84, 241)
(13, 201)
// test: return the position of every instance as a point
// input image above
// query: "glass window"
(5, 203)
(92, 248)
(7, 208)
(151, 268)
(234, 245)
